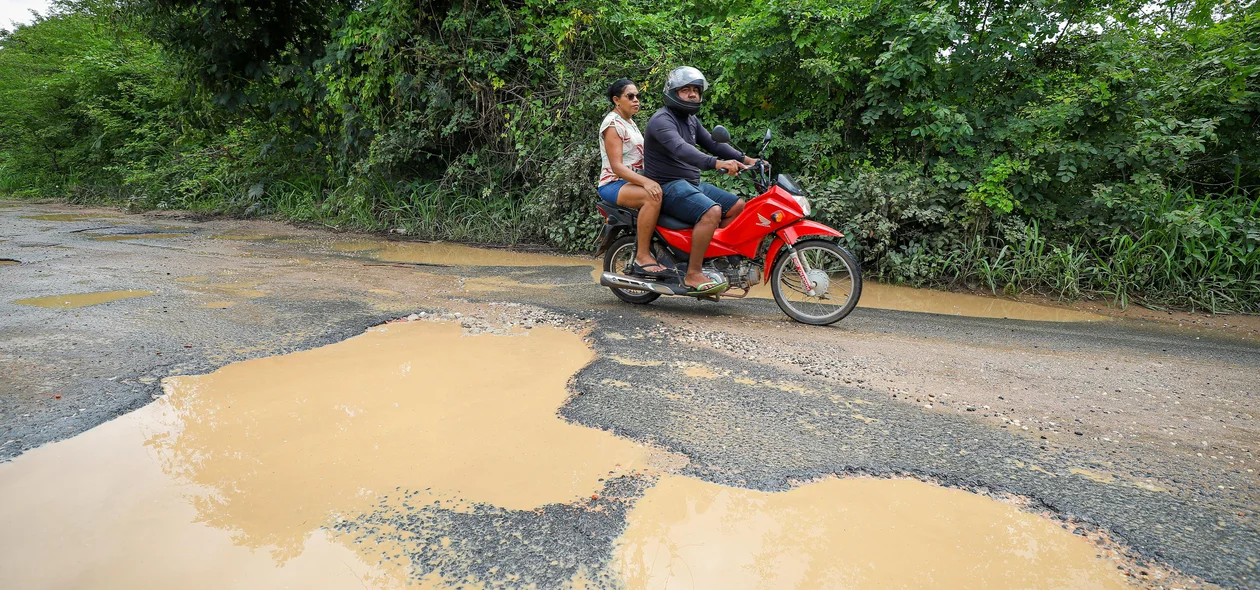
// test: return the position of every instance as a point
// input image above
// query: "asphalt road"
(1142, 431)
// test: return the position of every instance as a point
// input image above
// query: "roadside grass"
(418, 210)
(1193, 251)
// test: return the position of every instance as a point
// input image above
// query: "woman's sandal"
(664, 273)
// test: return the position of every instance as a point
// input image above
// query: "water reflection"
(851, 533)
(286, 443)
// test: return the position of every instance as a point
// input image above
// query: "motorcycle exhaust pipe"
(609, 279)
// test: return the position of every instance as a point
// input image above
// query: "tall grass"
(9, 182)
(1196, 251)
(421, 210)
(1199, 251)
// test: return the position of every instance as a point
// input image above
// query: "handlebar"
(762, 180)
(761, 164)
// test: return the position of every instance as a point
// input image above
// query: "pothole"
(412, 404)
(140, 236)
(847, 533)
(70, 216)
(240, 290)
(874, 295)
(74, 300)
(896, 297)
(454, 254)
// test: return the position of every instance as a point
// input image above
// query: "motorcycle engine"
(740, 273)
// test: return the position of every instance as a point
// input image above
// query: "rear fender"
(792, 234)
(607, 235)
(617, 215)
(616, 223)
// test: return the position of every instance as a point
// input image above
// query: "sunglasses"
(631, 96)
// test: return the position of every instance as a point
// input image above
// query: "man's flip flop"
(636, 269)
(705, 288)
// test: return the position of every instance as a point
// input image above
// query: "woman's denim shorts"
(609, 191)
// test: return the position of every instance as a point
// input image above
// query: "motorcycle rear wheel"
(617, 259)
(825, 259)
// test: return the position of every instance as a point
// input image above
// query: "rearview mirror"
(767, 140)
(721, 135)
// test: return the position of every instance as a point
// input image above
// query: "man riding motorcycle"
(672, 159)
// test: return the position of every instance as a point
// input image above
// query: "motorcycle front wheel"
(835, 273)
(617, 259)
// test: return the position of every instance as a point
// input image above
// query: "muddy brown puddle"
(71, 216)
(74, 300)
(454, 254)
(874, 295)
(127, 237)
(232, 479)
(847, 533)
(226, 294)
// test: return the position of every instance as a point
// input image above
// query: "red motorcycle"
(814, 280)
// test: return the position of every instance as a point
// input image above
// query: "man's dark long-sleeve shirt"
(669, 148)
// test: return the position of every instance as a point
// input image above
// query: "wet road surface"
(529, 428)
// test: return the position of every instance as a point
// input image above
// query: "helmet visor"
(686, 76)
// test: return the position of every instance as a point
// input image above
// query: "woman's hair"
(617, 88)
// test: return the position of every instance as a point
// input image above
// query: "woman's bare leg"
(636, 197)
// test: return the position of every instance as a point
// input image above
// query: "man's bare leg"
(733, 213)
(700, 238)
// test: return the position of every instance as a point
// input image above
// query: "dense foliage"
(1061, 146)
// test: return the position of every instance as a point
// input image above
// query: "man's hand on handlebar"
(752, 162)
(730, 167)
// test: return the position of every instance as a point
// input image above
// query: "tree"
(229, 46)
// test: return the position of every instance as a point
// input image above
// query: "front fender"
(792, 234)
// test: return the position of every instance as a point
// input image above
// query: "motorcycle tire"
(799, 312)
(616, 250)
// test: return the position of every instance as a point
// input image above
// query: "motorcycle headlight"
(804, 203)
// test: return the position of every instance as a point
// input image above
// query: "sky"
(20, 11)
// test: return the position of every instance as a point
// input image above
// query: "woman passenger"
(621, 179)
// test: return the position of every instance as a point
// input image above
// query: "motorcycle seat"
(668, 222)
(663, 220)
